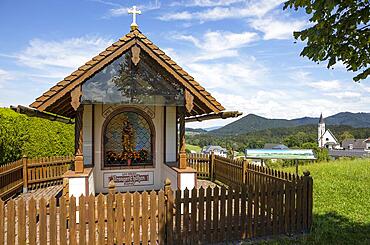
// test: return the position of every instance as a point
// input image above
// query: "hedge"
(34, 137)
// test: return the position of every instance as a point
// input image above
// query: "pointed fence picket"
(265, 203)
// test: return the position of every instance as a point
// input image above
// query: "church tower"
(321, 131)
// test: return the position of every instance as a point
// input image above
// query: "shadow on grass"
(331, 228)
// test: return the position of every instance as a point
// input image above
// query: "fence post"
(245, 164)
(212, 166)
(25, 174)
(168, 220)
(112, 187)
(309, 198)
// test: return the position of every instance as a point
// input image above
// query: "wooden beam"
(36, 113)
(220, 115)
(182, 160)
(79, 159)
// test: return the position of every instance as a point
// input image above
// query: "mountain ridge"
(253, 122)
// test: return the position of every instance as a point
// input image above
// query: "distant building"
(325, 137)
(275, 146)
(356, 144)
(349, 153)
(217, 150)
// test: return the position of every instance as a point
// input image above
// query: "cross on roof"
(134, 11)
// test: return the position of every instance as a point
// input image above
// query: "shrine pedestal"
(79, 183)
(186, 178)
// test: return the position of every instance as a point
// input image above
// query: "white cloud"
(206, 3)
(217, 44)
(67, 54)
(231, 77)
(254, 8)
(277, 29)
(4, 77)
(345, 95)
(122, 10)
(326, 85)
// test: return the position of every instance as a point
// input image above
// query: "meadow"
(341, 203)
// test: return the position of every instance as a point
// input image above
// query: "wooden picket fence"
(32, 173)
(11, 178)
(232, 172)
(202, 216)
(202, 163)
(229, 171)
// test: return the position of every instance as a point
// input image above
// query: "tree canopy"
(340, 33)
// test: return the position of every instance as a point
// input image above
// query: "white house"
(326, 138)
(130, 104)
(216, 149)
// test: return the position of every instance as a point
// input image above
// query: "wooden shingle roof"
(57, 99)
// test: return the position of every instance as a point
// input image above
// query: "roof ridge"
(80, 71)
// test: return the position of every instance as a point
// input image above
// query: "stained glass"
(121, 82)
(128, 140)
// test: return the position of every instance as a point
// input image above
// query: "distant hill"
(193, 131)
(252, 123)
(212, 128)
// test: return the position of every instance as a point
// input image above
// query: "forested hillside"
(291, 136)
(252, 123)
(31, 136)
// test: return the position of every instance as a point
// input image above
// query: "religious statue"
(128, 143)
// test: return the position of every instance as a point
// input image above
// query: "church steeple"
(321, 121)
(321, 131)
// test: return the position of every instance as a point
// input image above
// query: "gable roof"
(356, 143)
(57, 99)
(329, 132)
(211, 148)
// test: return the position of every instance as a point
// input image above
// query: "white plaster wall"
(328, 138)
(91, 184)
(77, 187)
(187, 181)
(171, 134)
(168, 172)
(101, 112)
(87, 134)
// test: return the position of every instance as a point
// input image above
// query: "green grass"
(195, 148)
(341, 203)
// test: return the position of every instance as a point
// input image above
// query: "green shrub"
(31, 136)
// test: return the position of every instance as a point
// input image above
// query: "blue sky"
(241, 51)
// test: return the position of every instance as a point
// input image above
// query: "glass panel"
(127, 140)
(121, 82)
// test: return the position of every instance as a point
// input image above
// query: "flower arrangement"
(127, 157)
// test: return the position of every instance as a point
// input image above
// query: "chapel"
(325, 138)
(130, 104)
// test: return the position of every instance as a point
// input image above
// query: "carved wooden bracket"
(135, 50)
(189, 98)
(76, 95)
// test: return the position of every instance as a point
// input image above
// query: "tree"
(340, 33)
(346, 135)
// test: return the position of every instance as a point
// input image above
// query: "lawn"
(341, 203)
(195, 148)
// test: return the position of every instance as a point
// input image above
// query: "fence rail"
(32, 173)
